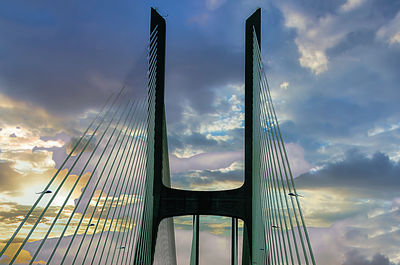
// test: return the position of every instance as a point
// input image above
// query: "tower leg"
(234, 251)
(194, 257)
(246, 252)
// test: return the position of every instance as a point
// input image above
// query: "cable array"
(142, 253)
(99, 191)
(285, 230)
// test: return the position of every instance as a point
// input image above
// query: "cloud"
(218, 130)
(214, 160)
(314, 37)
(217, 225)
(21, 160)
(284, 85)
(324, 27)
(354, 258)
(213, 249)
(351, 5)
(10, 179)
(316, 60)
(47, 249)
(331, 113)
(12, 213)
(200, 19)
(368, 176)
(69, 77)
(207, 179)
(359, 237)
(326, 206)
(23, 258)
(27, 122)
(214, 4)
(356, 189)
(390, 32)
(19, 168)
(74, 140)
(196, 78)
(298, 164)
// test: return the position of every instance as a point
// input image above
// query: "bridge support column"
(194, 255)
(234, 243)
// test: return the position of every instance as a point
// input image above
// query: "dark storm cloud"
(85, 141)
(200, 141)
(66, 58)
(354, 258)
(202, 58)
(206, 179)
(195, 74)
(194, 139)
(356, 171)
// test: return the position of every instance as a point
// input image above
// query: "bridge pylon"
(165, 202)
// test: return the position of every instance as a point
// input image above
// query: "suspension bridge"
(119, 171)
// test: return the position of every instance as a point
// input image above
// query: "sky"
(333, 68)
